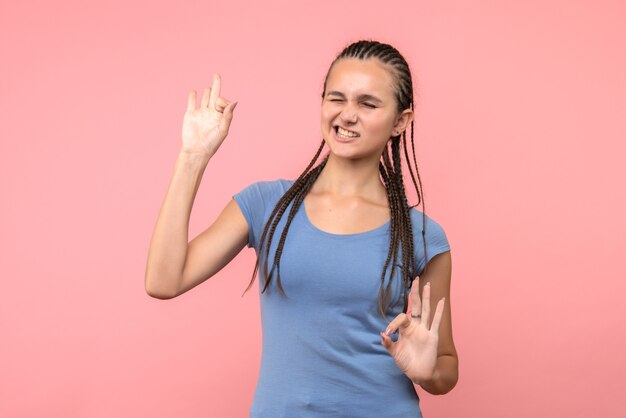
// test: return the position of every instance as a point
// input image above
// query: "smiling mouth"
(344, 133)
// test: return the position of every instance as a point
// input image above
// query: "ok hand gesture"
(205, 127)
(415, 351)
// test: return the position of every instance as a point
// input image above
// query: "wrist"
(193, 158)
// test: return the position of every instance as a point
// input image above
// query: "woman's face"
(359, 109)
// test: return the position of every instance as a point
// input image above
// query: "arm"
(173, 265)
(446, 374)
(425, 350)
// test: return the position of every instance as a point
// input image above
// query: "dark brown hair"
(390, 168)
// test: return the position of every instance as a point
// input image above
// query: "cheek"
(379, 125)
(325, 119)
(327, 114)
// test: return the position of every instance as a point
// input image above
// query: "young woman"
(342, 257)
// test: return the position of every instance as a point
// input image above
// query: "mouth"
(345, 133)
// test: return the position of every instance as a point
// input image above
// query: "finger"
(215, 91)
(399, 322)
(416, 303)
(388, 343)
(426, 304)
(205, 97)
(438, 315)
(228, 116)
(221, 104)
(191, 101)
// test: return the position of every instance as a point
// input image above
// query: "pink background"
(521, 131)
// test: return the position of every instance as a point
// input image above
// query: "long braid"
(408, 259)
(390, 170)
(385, 291)
(277, 213)
(420, 191)
(299, 198)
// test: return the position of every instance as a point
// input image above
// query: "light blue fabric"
(322, 355)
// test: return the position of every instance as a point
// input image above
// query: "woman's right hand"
(205, 127)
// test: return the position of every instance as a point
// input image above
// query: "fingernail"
(388, 331)
(235, 105)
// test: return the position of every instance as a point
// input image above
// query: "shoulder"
(277, 186)
(262, 194)
(419, 219)
(256, 202)
(429, 238)
(265, 190)
(433, 230)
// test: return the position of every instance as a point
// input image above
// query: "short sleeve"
(249, 199)
(436, 241)
(256, 202)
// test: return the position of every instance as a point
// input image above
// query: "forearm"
(445, 376)
(168, 247)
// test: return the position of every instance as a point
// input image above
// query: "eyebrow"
(360, 96)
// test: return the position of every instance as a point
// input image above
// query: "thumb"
(228, 116)
(228, 111)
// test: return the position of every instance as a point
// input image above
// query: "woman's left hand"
(415, 351)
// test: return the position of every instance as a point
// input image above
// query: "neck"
(346, 178)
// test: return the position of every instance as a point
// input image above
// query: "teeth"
(346, 134)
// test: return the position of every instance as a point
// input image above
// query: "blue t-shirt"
(322, 355)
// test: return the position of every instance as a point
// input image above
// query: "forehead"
(356, 75)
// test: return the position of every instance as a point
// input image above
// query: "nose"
(348, 114)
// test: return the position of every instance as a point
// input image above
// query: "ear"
(402, 122)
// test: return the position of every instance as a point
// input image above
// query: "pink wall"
(521, 133)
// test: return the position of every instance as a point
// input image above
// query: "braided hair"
(390, 169)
